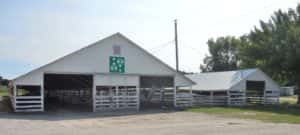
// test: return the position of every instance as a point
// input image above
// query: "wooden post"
(14, 96)
(94, 94)
(138, 97)
(264, 98)
(117, 96)
(42, 94)
(174, 91)
(277, 97)
(191, 94)
(228, 98)
(244, 97)
(211, 97)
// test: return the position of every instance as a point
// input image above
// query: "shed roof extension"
(219, 80)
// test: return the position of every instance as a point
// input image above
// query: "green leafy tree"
(275, 47)
(223, 55)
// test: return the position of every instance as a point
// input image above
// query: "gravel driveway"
(142, 123)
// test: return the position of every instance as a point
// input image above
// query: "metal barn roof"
(219, 80)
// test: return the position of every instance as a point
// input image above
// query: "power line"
(154, 49)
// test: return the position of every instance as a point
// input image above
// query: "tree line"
(3, 81)
(273, 46)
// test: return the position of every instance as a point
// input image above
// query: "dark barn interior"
(255, 91)
(68, 92)
(156, 91)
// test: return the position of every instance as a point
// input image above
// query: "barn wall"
(179, 81)
(116, 80)
(95, 59)
(257, 76)
(35, 78)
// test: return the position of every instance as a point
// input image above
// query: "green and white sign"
(116, 64)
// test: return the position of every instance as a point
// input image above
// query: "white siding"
(180, 81)
(95, 59)
(257, 76)
(116, 80)
(35, 78)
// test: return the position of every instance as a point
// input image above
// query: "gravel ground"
(142, 123)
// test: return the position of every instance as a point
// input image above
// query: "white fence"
(28, 103)
(271, 97)
(199, 100)
(236, 98)
(183, 98)
(121, 99)
(231, 98)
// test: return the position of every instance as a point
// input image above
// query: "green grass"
(283, 113)
(3, 91)
(292, 100)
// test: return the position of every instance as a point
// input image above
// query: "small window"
(116, 50)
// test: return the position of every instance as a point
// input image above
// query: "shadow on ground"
(68, 115)
(65, 114)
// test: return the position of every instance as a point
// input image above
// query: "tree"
(223, 55)
(3, 81)
(275, 47)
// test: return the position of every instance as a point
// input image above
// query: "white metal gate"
(116, 97)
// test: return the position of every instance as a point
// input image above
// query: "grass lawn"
(3, 91)
(288, 100)
(283, 113)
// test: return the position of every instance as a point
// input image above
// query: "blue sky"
(35, 32)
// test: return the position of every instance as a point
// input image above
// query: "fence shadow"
(69, 115)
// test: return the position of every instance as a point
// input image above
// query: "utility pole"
(176, 45)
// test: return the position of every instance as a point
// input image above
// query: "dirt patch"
(131, 123)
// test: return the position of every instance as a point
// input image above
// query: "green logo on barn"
(116, 64)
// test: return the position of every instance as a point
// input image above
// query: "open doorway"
(255, 91)
(68, 92)
(156, 92)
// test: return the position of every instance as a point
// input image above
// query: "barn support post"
(244, 98)
(228, 98)
(138, 98)
(175, 89)
(117, 96)
(264, 98)
(192, 98)
(160, 95)
(94, 94)
(211, 98)
(277, 97)
(42, 95)
(14, 96)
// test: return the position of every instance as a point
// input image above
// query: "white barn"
(113, 73)
(234, 87)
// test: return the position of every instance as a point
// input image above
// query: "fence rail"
(123, 99)
(183, 99)
(271, 97)
(28, 103)
(199, 100)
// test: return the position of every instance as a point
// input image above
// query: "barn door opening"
(156, 91)
(255, 91)
(68, 92)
